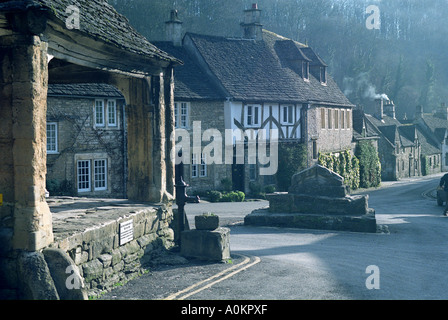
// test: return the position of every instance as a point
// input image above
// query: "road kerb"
(204, 284)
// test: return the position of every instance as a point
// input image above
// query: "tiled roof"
(191, 82)
(98, 20)
(253, 70)
(97, 90)
(362, 128)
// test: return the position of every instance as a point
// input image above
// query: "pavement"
(282, 263)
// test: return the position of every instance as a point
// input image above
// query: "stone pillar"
(149, 163)
(169, 127)
(23, 105)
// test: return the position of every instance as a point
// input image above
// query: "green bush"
(292, 158)
(269, 189)
(233, 196)
(344, 164)
(369, 165)
(214, 196)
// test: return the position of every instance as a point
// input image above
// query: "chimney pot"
(173, 29)
(251, 27)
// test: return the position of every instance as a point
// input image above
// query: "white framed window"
(181, 111)
(112, 113)
(330, 118)
(194, 166)
(336, 119)
(83, 175)
(323, 124)
(203, 168)
(99, 113)
(287, 115)
(52, 137)
(100, 174)
(252, 115)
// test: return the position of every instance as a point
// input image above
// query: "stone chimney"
(442, 112)
(389, 108)
(173, 29)
(418, 112)
(379, 112)
(251, 27)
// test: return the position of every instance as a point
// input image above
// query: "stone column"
(169, 127)
(148, 152)
(23, 105)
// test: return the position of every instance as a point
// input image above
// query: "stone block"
(205, 244)
(319, 181)
(363, 223)
(92, 270)
(65, 274)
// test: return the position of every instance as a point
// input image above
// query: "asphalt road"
(407, 260)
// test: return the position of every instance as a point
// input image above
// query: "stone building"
(406, 148)
(86, 141)
(46, 42)
(435, 126)
(260, 80)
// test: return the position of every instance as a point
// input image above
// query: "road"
(407, 260)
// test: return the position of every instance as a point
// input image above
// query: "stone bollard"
(208, 241)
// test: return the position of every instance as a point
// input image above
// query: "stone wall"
(103, 262)
(210, 114)
(79, 139)
(328, 139)
(92, 241)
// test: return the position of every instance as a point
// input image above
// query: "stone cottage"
(260, 80)
(435, 126)
(406, 148)
(86, 140)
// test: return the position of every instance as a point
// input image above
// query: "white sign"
(126, 232)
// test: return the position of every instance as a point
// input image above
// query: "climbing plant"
(344, 164)
(291, 159)
(369, 165)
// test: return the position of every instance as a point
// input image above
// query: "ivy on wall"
(343, 163)
(369, 165)
(291, 159)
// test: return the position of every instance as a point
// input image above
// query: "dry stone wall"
(103, 262)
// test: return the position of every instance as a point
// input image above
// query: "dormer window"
(323, 75)
(305, 70)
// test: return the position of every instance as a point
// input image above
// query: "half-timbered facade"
(259, 81)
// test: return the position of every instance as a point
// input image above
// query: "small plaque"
(126, 232)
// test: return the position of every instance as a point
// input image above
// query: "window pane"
(256, 115)
(194, 166)
(176, 115)
(322, 118)
(112, 113)
(99, 113)
(203, 166)
(51, 137)
(100, 174)
(184, 115)
(249, 115)
(83, 173)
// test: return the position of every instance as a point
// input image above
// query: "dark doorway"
(238, 177)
